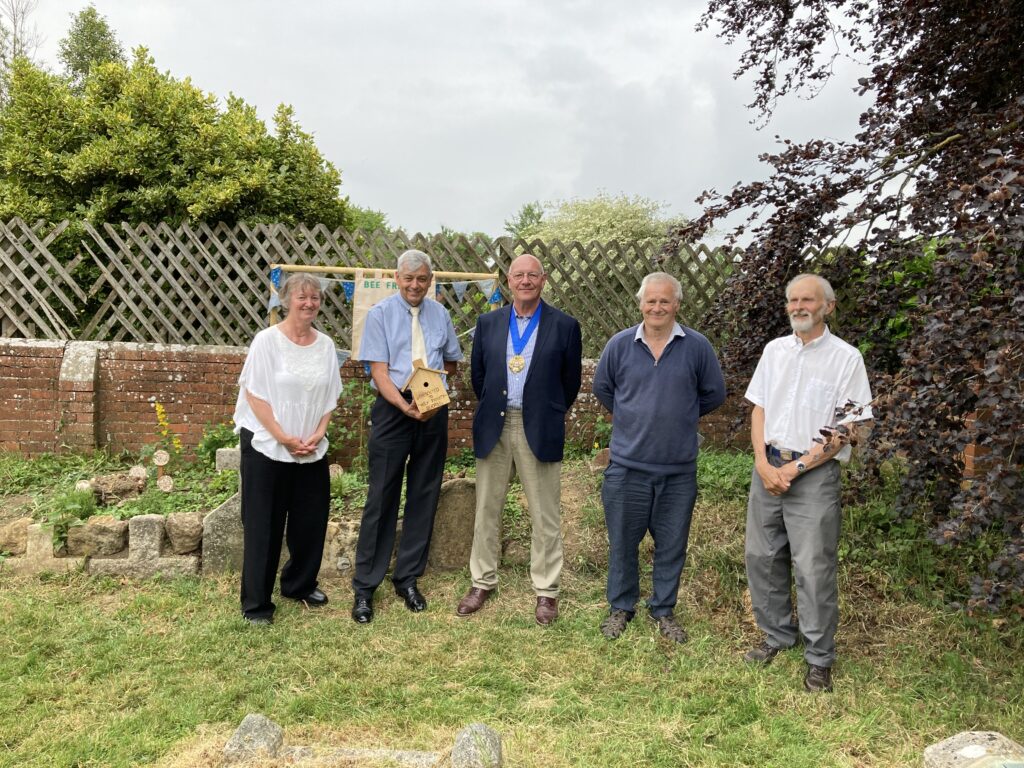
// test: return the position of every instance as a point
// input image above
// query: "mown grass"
(100, 672)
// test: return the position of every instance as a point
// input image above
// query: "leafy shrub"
(66, 510)
(724, 475)
(215, 436)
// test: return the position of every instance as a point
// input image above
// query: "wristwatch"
(800, 467)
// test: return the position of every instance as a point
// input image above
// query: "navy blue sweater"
(655, 405)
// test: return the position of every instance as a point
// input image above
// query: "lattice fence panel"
(39, 293)
(210, 284)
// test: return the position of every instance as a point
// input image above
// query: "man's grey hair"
(660, 277)
(296, 281)
(412, 260)
(826, 286)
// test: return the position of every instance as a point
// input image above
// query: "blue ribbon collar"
(519, 342)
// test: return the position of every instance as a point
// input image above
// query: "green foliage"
(367, 220)
(600, 218)
(90, 41)
(527, 220)
(65, 510)
(348, 493)
(195, 490)
(215, 436)
(138, 145)
(602, 432)
(724, 475)
(22, 475)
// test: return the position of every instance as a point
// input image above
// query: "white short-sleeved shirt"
(301, 384)
(801, 385)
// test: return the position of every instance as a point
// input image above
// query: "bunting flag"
(460, 288)
(275, 301)
(275, 277)
(349, 286)
(325, 283)
(496, 297)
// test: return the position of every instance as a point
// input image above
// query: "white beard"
(802, 324)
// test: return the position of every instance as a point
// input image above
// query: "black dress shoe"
(362, 610)
(314, 599)
(414, 600)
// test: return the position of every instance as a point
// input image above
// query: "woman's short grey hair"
(826, 286)
(660, 277)
(412, 260)
(296, 281)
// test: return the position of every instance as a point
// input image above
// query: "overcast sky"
(457, 112)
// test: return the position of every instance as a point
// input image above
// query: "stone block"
(39, 557)
(184, 532)
(599, 462)
(476, 746)
(102, 535)
(975, 749)
(222, 537)
(145, 554)
(229, 459)
(14, 536)
(453, 525)
(340, 548)
(257, 737)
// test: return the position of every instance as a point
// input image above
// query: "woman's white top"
(301, 384)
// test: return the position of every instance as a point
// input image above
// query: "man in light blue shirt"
(403, 441)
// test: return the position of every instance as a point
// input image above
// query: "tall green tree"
(138, 145)
(601, 218)
(89, 41)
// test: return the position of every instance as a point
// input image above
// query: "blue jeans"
(636, 502)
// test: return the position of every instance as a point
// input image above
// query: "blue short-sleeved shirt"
(387, 337)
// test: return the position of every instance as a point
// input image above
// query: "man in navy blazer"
(526, 368)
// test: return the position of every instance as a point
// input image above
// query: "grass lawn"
(100, 672)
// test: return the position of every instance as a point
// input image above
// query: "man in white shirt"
(794, 513)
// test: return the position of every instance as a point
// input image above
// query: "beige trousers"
(542, 482)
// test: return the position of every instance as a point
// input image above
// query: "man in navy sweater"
(657, 378)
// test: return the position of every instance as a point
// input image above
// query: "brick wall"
(79, 395)
(30, 412)
(196, 385)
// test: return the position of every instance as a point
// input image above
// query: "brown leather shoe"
(547, 610)
(473, 601)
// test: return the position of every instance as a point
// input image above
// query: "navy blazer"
(551, 386)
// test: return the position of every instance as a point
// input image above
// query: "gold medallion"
(516, 363)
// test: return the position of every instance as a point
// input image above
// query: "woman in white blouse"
(289, 386)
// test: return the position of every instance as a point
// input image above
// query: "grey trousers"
(796, 534)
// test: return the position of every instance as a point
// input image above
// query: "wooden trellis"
(208, 284)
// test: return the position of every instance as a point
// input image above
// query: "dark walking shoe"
(315, 599)
(414, 600)
(473, 601)
(546, 611)
(762, 653)
(362, 610)
(615, 624)
(818, 678)
(670, 628)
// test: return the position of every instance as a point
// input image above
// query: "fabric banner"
(370, 287)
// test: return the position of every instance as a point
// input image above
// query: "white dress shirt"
(801, 385)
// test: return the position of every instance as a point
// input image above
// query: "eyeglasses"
(518, 276)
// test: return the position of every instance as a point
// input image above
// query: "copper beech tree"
(931, 284)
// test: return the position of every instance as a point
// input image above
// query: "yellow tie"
(419, 346)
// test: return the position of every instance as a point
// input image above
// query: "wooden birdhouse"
(427, 388)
